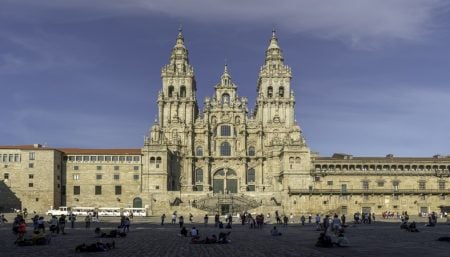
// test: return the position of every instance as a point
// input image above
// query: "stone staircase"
(237, 203)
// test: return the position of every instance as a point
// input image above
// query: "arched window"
(158, 161)
(269, 92)
(182, 91)
(225, 130)
(251, 176)
(199, 151)
(297, 160)
(198, 176)
(137, 202)
(152, 160)
(225, 149)
(251, 151)
(225, 98)
(171, 91)
(281, 91)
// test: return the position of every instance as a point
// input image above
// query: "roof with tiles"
(111, 151)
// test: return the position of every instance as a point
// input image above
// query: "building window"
(30, 185)
(31, 176)
(6, 176)
(422, 185)
(129, 158)
(136, 177)
(225, 98)
(100, 158)
(17, 158)
(11, 158)
(99, 167)
(281, 91)
(251, 176)
(251, 151)
(107, 158)
(395, 185)
(365, 185)
(269, 92)
(122, 158)
(158, 161)
(183, 91)
(98, 176)
(116, 167)
(76, 190)
(115, 158)
(116, 176)
(85, 158)
(225, 149)
(441, 185)
(93, 158)
(380, 183)
(136, 158)
(135, 167)
(199, 151)
(118, 190)
(330, 183)
(225, 130)
(317, 178)
(31, 156)
(79, 158)
(76, 176)
(98, 190)
(171, 91)
(4, 157)
(199, 176)
(75, 167)
(31, 165)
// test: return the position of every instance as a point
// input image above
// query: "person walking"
(163, 217)
(302, 219)
(62, 223)
(205, 220)
(72, 219)
(87, 221)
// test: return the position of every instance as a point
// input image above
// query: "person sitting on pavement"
(223, 238)
(412, 227)
(404, 225)
(195, 233)
(183, 232)
(275, 232)
(324, 241)
(342, 241)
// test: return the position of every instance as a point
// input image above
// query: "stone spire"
(179, 58)
(225, 79)
(274, 54)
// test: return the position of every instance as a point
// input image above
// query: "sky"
(370, 77)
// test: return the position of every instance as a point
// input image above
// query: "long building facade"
(221, 159)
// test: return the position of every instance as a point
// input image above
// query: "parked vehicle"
(142, 212)
(109, 212)
(60, 211)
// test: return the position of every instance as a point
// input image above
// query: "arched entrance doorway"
(225, 181)
(137, 202)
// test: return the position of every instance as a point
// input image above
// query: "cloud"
(359, 23)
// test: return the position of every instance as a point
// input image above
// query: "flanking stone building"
(222, 158)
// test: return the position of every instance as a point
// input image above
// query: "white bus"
(109, 212)
(60, 211)
(83, 211)
(141, 212)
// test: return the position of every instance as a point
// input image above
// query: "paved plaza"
(148, 238)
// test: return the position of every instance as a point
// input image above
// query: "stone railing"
(368, 191)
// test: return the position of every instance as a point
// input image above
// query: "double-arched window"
(198, 176)
(183, 91)
(251, 178)
(225, 98)
(171, 88)
(225, 149)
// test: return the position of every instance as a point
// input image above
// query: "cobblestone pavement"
(148, 238)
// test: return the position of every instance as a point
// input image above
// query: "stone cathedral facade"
(222, 159)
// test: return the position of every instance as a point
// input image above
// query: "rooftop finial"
(226, 67)
(274, 33)
(180, 30)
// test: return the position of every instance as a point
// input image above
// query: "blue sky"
(370, 77)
